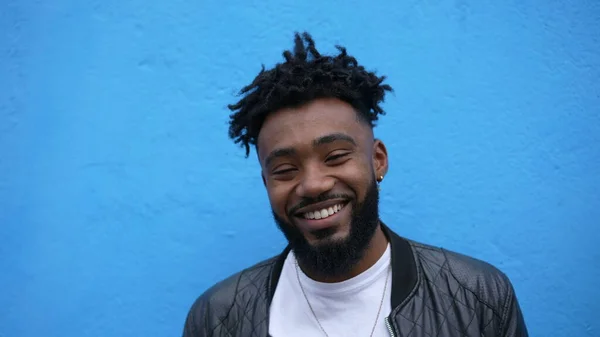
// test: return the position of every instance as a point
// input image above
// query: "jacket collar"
(404, 271)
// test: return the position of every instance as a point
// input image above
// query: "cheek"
(278, 198)
(358, 170)
(358, 177)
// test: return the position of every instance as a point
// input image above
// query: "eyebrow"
(333, 138)
(327, 139)
(283, 152)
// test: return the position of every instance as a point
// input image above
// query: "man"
(344, 273)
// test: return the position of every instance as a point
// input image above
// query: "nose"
(314, 183)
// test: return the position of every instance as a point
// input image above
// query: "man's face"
(319, 164)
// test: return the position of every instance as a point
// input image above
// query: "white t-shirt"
(347, 308)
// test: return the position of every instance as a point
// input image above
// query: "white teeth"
(324, 213)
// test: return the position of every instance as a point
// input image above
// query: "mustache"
(310, 201)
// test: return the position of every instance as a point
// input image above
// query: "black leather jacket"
(435, 292)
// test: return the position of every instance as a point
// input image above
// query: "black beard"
(336, 258)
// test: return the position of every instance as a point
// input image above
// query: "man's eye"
(337, 156)
(283, 171)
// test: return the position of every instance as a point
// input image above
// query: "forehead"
(300, 126)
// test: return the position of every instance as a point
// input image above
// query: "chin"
(331, 235)
(335, 249)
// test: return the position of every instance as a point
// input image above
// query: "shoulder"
(216, 303)
(487, 283)
(223, 293)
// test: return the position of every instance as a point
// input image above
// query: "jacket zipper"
(389, 326)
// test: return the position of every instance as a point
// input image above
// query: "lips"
(321, 215)
(324, 212)
(321, 208)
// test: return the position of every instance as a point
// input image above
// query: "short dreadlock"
(306, 75)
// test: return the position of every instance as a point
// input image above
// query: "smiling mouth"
(323, 213)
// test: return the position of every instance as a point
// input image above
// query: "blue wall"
(122, 199)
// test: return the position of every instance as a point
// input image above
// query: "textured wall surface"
(122, 199)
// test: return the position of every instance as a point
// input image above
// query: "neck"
(372, 254)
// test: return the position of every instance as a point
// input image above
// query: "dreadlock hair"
(304, 76)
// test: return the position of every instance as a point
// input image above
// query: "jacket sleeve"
(513, 323)
(195, 323)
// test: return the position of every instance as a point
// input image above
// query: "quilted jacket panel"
(454, 295)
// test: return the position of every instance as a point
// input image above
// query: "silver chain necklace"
(315, 315)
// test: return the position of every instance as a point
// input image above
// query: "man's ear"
(380, 159)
